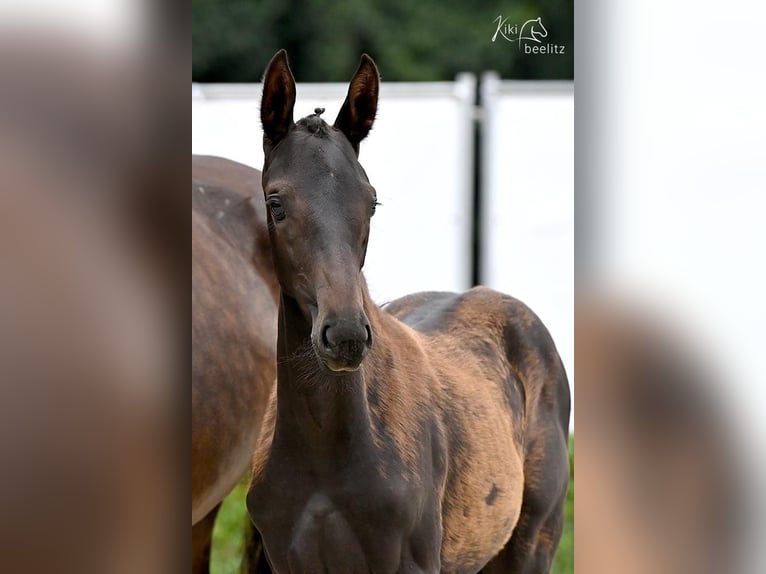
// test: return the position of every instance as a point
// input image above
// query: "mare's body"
(233, 331)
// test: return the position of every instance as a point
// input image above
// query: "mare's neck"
(317, 408)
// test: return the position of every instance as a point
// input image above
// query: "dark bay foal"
(429, 436)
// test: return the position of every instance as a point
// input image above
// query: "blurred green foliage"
(233, 40)
(229, 532)
(229, 537)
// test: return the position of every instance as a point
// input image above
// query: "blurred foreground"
(92, 240)
(661, 480)
(670, 395)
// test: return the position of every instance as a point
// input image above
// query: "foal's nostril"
(325, 340)
(369, 335)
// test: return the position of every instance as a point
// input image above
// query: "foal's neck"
(322, 410)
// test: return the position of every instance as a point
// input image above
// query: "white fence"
(528, 199)
(419, 157)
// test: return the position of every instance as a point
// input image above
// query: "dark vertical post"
(477, 219)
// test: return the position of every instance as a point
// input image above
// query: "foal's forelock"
(315, 124)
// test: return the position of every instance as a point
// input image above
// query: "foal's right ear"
(358, 111)
(277, 101)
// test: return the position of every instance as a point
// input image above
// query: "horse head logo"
(532, 30)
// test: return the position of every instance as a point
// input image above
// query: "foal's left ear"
(358, 112)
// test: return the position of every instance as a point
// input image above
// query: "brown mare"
(429, 436)
(234, 321)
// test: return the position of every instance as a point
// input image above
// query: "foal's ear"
(358, 112)
(278, 100)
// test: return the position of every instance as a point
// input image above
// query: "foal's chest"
(353, 523)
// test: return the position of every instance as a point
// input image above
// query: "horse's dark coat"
(438, 439)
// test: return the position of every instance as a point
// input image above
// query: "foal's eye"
(374, 205)
(275, 205)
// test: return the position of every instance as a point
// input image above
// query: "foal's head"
(319, 207)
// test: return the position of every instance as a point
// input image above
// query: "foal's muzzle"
(343, 340)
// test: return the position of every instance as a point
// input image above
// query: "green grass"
(228, 535)
(229, 532)
(564, 561)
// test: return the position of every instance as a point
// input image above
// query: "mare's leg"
(537, 534)
(202, 534)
